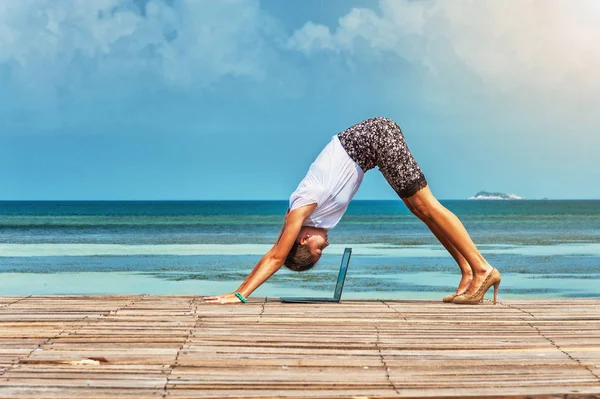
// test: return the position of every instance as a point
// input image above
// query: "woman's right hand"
(273, 260)
(224, 299)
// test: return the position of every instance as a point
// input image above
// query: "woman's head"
(307, 249)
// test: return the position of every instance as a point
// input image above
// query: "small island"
(486, 195)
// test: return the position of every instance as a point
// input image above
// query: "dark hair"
(299, 258)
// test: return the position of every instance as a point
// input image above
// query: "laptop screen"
(342, 275)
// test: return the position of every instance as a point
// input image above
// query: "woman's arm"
(272, 260)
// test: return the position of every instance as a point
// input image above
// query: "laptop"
(338, 288)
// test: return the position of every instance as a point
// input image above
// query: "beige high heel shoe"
(492, 279)
(449, 298)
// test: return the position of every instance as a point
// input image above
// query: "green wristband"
(240, 297)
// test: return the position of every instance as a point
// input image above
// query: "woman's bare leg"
(465, 268)
(447, 223)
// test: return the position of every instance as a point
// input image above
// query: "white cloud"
(313, 36)
(72, 63)
(49, 43)
(93, 50)
(546, 46)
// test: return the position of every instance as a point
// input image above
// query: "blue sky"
(233, 99)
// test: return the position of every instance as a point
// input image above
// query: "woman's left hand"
(222, 299)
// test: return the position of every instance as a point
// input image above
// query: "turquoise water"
(542, 248)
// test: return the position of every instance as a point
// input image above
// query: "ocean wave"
(30, 250)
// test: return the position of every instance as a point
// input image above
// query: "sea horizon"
(279, 200)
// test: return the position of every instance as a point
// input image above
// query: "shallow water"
(542, 248)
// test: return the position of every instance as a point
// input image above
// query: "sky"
(233, 99)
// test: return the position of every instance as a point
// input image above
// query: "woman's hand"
(273, 260)
(222, 299)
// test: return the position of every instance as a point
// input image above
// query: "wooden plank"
(127, 346)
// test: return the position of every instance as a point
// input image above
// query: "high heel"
(492, 279)
(449, 298)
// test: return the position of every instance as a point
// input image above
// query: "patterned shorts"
(379, 142)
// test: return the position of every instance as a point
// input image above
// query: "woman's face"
(316, 239)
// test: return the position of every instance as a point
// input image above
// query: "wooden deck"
(178, 347)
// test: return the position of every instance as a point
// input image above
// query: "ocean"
(543, 248)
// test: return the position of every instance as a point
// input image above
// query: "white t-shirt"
(331, 182)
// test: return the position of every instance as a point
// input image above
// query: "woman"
(323, 195)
